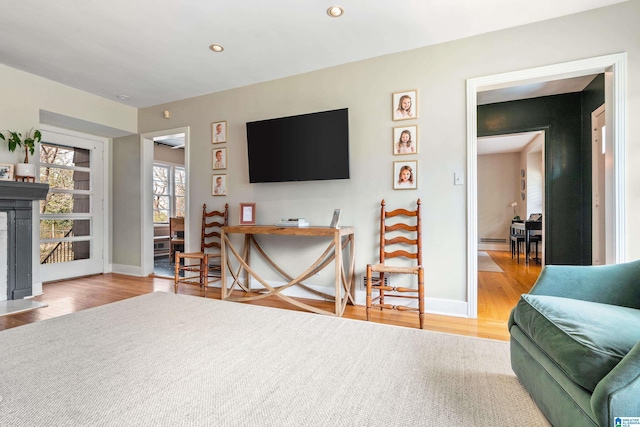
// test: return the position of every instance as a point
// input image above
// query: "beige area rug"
(486, 263)
(175, 360)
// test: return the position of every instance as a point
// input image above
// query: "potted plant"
(15, 140)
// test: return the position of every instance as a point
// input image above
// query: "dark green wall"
(567, 164)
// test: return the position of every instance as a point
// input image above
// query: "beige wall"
(26, 98)
(167, 155)
(498, 187)
(534, 179)
(126, 207)
(365, 87)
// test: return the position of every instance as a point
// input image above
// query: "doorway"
(147, 194)
(169, 198)
(614, 68)
(71, 220)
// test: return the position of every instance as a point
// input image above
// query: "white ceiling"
(534, 90)
(156, 51)
(512, 143)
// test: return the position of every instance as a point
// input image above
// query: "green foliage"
(15, 140)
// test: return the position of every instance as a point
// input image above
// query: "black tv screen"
(307, 147)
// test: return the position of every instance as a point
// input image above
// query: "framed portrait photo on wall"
(405, 175)
(404, 105)
(405, 140)
(219, 132)
(247, 213)
(219, 185)
(219, 158)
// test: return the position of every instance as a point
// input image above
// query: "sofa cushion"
(585, 339)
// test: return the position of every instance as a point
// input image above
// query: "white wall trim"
(146, 195)
(432, 305)
(129, 270)
(613, 65)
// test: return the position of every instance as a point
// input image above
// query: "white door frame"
(146, 193)
(598, 179)
(101, 241)
(614, 67)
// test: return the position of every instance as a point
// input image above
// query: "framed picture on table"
(247, 213)
(6, 172)
(335, 220)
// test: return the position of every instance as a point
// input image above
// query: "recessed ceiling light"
(124, 97)
(216, 48)
(335, 11)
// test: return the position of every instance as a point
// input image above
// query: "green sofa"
(575, 343)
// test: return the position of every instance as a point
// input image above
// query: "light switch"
(457, 179)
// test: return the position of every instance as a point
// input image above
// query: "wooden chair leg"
(421, 297)
(177, 272)
(381, 277)
(369, 278)
(205, 282)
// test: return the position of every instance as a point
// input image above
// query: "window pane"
(160, 180)
(55, 252)
(161, 202)
(65, 203)
(180, 206)
(66, 179)
(160, 216)
(59, 228)
(66, 156)
(179, 182)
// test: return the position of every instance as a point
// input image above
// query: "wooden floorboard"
(497, 294)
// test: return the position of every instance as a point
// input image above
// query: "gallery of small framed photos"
(404, 106)
(219, 159)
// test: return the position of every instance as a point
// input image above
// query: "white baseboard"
(494, 247)
(36, 289)
(129, 270)
(432, 305)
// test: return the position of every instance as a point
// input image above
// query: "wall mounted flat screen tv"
(308, 147)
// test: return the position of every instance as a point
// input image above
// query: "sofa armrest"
(618, 393)
(617, 284)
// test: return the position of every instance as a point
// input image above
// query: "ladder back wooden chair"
(404, 234)
(176, 235)
(199, 272)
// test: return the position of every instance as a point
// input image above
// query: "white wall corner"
(129, 270)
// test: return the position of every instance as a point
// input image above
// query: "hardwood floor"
(497, 294)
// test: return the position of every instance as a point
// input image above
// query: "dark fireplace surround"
(16, 198)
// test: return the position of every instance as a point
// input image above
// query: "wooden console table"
(344, 273)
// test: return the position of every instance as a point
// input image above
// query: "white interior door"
(72, 216)
(598, 187)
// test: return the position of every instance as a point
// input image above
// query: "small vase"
(25, 169)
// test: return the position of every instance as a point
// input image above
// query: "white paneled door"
(72, 216)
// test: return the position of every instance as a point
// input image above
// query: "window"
(168, 192)
(180, 191)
